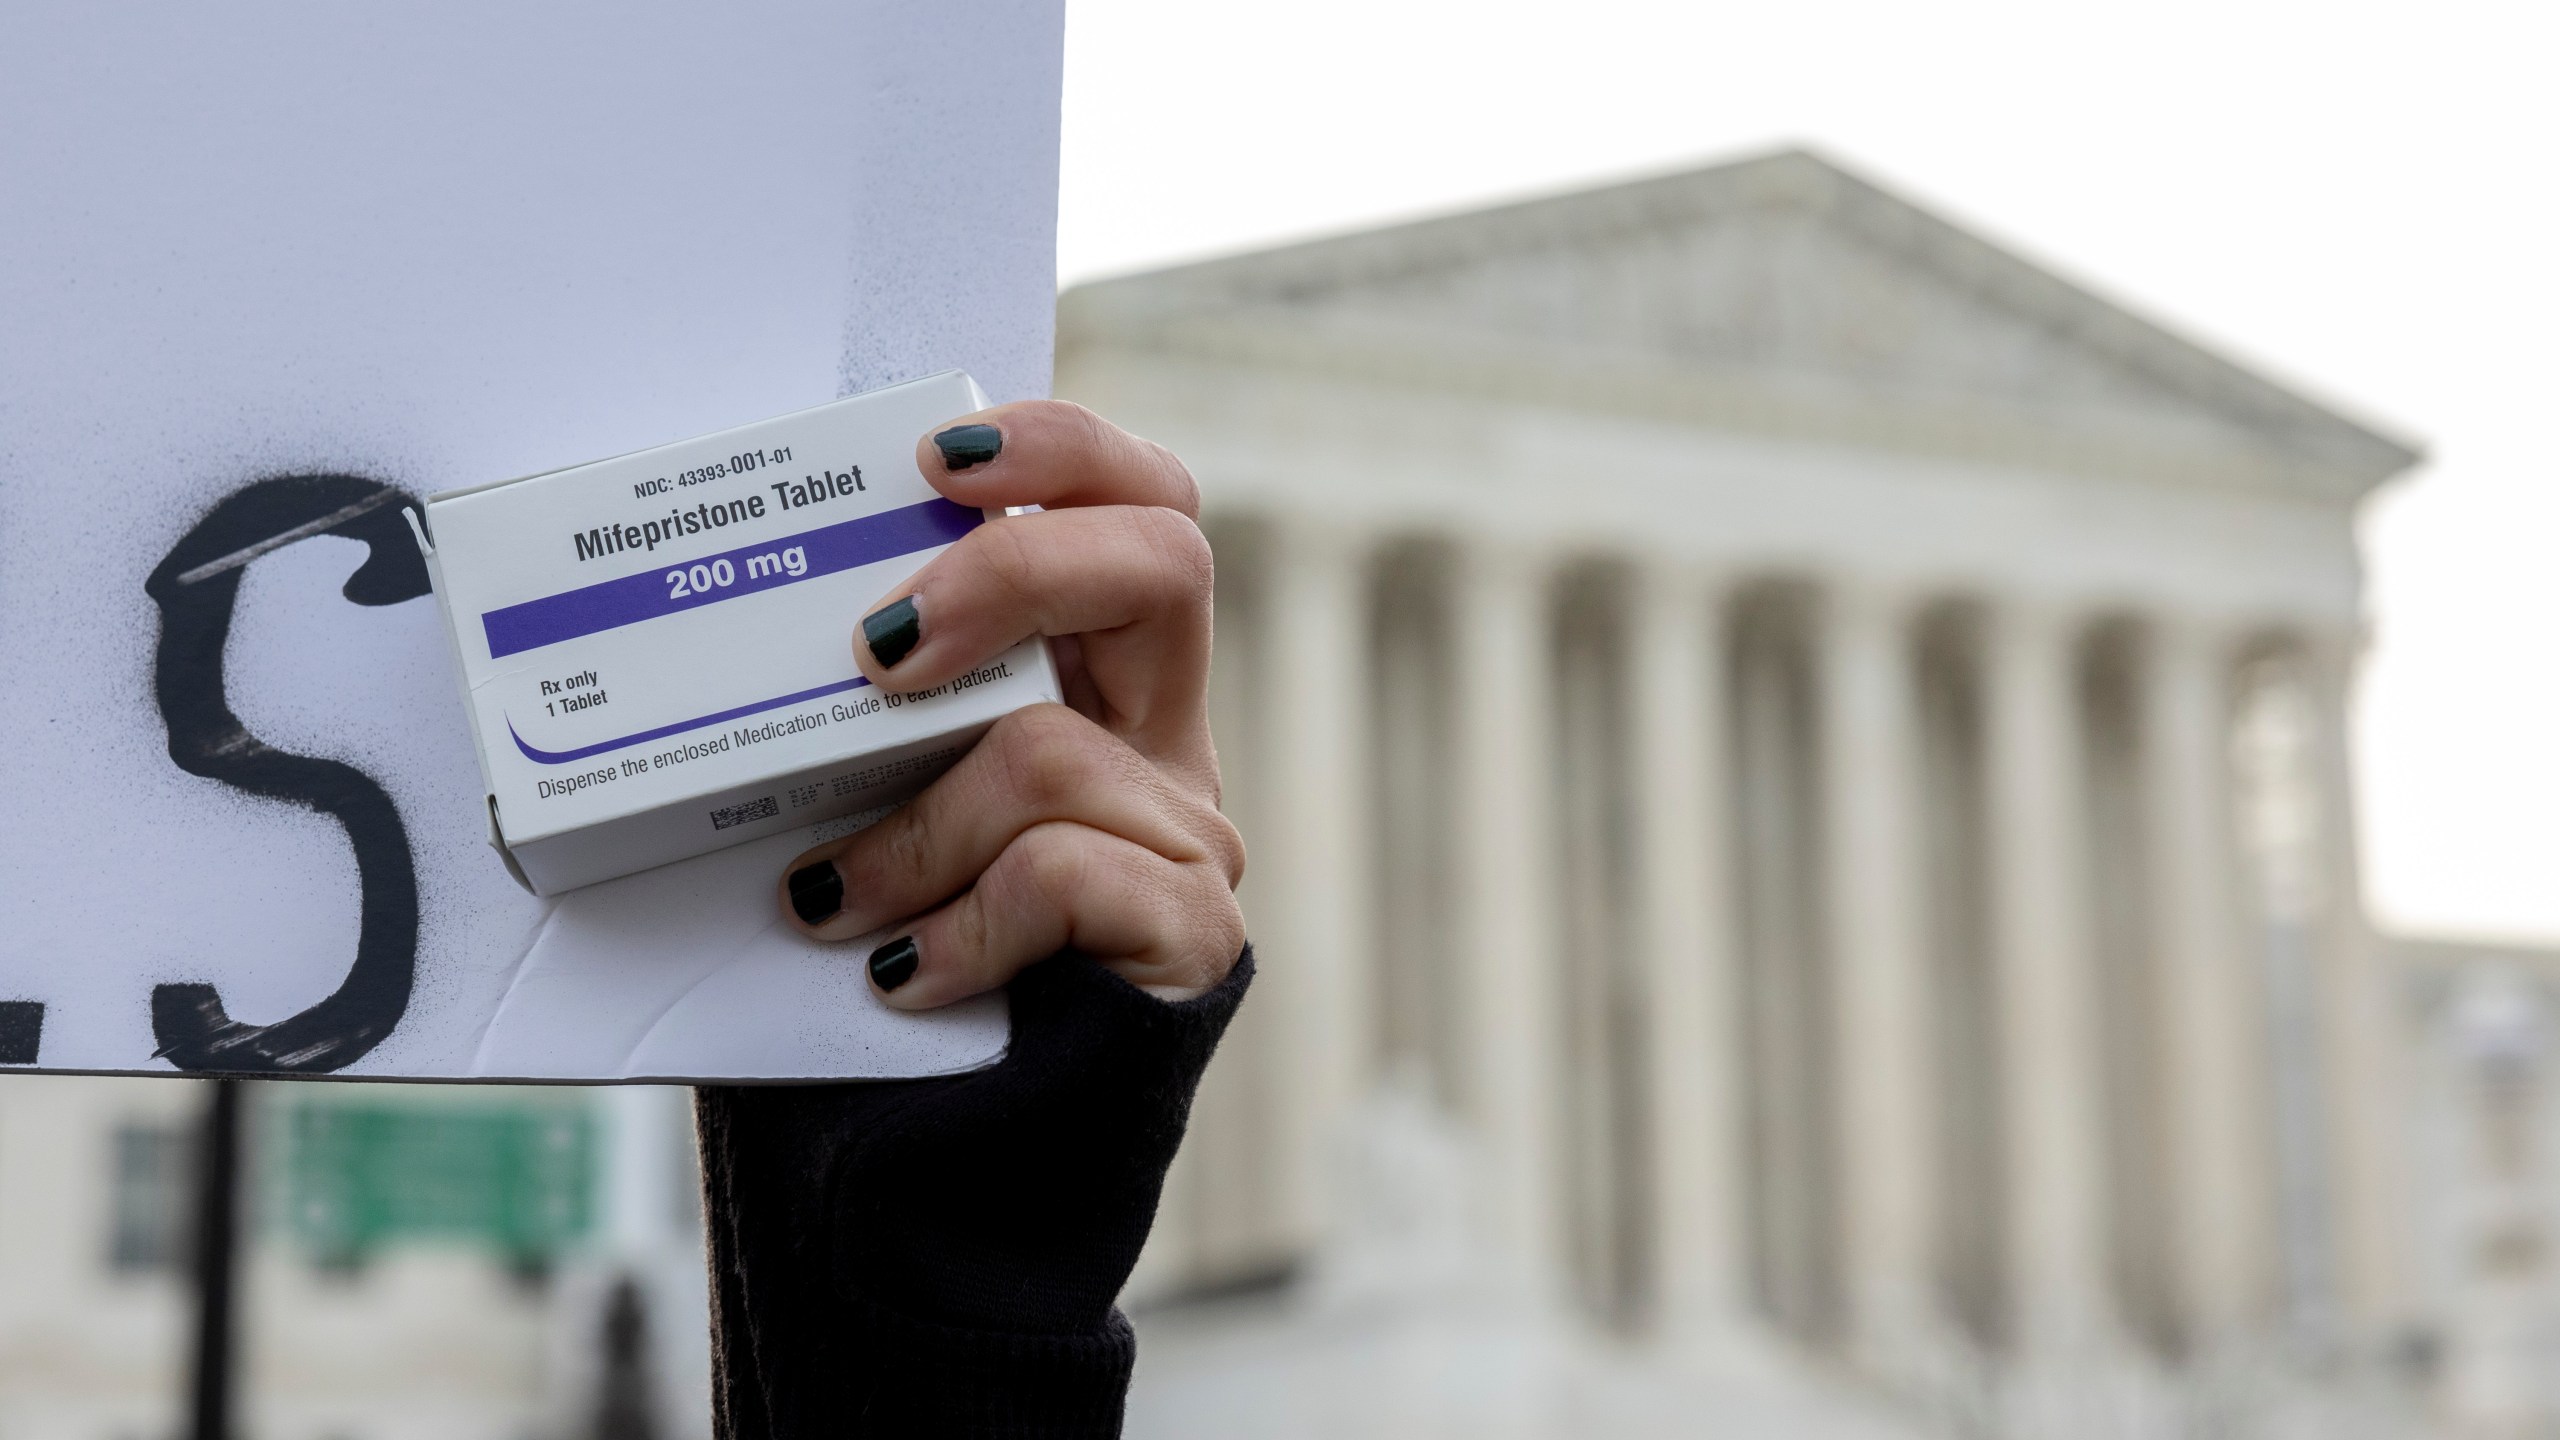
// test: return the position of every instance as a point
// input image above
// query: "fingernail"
(817, 892)
(965, 445)
(892, 630)
(894, 964)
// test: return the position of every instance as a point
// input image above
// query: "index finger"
(1055, 454)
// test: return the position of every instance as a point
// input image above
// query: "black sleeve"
(940, 1257)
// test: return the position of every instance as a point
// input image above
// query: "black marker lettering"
(196, 587)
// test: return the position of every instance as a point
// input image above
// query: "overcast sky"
(2358, 199)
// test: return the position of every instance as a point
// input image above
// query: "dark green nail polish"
(965, 445)
(817, 892)
(894, 964)
(892, 630)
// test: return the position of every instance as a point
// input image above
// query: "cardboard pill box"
(657, 650)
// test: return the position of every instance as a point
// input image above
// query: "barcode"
(764, 809)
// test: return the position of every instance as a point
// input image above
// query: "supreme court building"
(1802, 846)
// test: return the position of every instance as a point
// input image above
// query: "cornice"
(1743, 400)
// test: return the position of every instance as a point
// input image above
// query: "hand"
(1091, 826)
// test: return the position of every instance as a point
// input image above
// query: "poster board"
(264, 265)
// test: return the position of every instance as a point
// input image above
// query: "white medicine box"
(657, 650)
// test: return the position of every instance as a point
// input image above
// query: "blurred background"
(1882, 666)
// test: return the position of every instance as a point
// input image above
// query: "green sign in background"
(359, 1175)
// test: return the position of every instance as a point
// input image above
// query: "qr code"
(764, 809)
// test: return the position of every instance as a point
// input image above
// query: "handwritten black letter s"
(195, 588)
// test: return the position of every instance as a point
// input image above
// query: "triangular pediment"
(1782, 288)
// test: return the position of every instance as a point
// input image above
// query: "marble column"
(1878, 956)
(1311, 861)
(2213, 1008)
(1507, 905)
(2050, 1056)
(1694, 1040)
(2359, 1042)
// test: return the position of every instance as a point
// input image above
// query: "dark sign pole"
(217, 1256)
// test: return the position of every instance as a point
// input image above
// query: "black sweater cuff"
(940, 1257)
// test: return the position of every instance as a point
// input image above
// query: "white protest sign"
(261, 264)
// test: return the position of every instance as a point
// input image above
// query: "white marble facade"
(1796, 776)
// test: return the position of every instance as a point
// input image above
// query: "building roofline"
(1792, 178)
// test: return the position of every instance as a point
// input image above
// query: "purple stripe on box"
(612, 604)
(583, 752)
